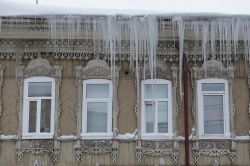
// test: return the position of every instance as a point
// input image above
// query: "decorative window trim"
(1, 83)
(109, 133)
(39, 68)
(213, 69)
(25, 133)
(200, 111)
(170, 110)
(156, 147)
(96, 69)
(1, 108)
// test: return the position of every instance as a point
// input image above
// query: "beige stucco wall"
(127, 121)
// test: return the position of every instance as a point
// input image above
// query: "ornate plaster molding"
(157, 148)
(39, 67)
(96, 147)
(214, 148)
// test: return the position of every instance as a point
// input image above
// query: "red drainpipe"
(186, 128)
(185, 104)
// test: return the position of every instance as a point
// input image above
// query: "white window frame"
(26, 99)
(157, 135)
(225, 95)
(97, 135)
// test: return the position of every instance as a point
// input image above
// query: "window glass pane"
(213, 114)
(162, 117)
(32, 116)
(45, 115)
(97, 116)
(39, 89)
(97, 90)
(213, 87)
(156, 91)
(149, 107)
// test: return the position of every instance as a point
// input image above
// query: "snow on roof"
(125, 7)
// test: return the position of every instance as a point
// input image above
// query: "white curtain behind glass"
(97, 107)
(213, 114)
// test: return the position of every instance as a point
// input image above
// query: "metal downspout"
(185, 104)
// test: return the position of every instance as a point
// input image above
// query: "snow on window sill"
(97, 135)
(37, 136)
(215, 136)
(156, 136)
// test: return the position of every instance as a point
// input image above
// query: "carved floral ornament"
(96, 69)
(39, 67)
(213, 148)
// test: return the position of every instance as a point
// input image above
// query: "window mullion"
(156, 117)
(38, 116)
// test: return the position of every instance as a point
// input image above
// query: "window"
(97, 108)
(38, 107)
(213, 108)
(156, 108)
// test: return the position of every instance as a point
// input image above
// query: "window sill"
(97, 135)
(157, 136)
(215, 136)
(37, 136)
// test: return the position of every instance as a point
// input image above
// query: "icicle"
(213, 30)
(235, 33)
(181, 35)
(152, 28)
(205, 27)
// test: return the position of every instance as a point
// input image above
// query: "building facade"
(108, 91)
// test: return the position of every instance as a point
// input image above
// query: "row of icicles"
(143, 34)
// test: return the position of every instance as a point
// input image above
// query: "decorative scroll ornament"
(95, 147)
(38, 67)
(38, 147)
(157, 148)
(214, 148)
